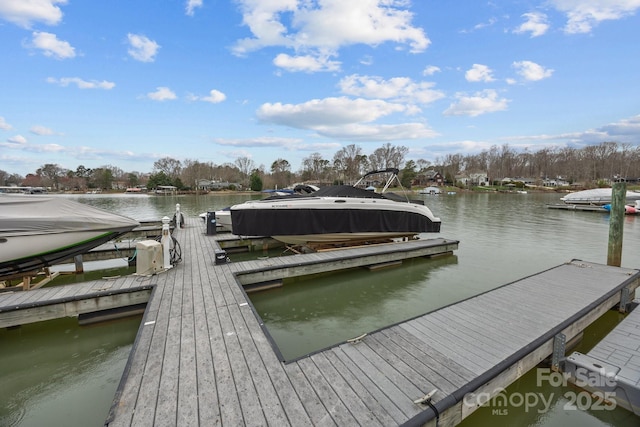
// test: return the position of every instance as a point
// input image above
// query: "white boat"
(39, 231)
(223, 216)
(335, 214)
(596, 196)
(429, 190)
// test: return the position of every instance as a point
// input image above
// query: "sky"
(126, 83)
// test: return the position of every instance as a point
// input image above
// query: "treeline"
(606, 161)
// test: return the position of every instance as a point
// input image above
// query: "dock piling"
(616, 222)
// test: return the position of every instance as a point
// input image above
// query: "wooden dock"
(203, 357)
(584, 208)
(23, 307)
(612, 368)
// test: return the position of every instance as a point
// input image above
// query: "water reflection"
(57, 373)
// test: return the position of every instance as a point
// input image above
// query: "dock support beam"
(559, 342)
(616, 222)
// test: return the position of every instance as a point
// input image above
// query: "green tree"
(408, 174)
(102, 178)
(255, 182)
(281, 172)
(50, 174)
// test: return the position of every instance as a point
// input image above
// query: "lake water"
(503, 238)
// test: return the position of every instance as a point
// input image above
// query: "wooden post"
(616, 223)
(77, 260)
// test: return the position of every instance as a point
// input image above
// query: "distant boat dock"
(584, 208)
(202, 355)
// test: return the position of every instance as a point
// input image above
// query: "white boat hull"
(19, 247)
(596, 196)
(37, 231)
(223, 219)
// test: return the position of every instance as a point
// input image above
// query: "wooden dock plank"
(247, 393)
(437, 374)
(335, 408)
(446, 343)
(357, 395)
(386, 378)
(312, 403)
(267, 396)
(374, 388)
(166, 408)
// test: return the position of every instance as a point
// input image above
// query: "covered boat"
(335, 214)
(223, 216)
(39, 231)
(596, 196)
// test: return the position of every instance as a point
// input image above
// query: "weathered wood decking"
(18, 308)
(201, 356)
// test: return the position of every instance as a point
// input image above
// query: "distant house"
(555, 182)
(209, 185)
(430, 177)
(473, 179)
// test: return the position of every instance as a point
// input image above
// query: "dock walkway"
(202, 357)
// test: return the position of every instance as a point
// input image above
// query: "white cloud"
(399, 89)
(142, 48)
(479, 73)
(344, 118)
(535, 23)
(82, 84)
(51, 46)
(162, 94)
(260, 142)
(531, 71)
(319, 29)
(626, 130)
(305, 63)
(326, 112)
(214, 97)
(25, 12)
(430, 70)
(192, 5)
(17, 140)
(583, 15)
(41, 130)
(358, 132)
(4, 125)
(483, 102)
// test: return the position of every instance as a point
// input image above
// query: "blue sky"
(125, 83)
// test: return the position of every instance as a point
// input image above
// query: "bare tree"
(350, 162)
(171, 167)
(246, 166)
(315, 167)
(388, 156)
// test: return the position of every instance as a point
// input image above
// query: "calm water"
(503, 237)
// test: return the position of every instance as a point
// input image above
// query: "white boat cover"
(35, 214)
